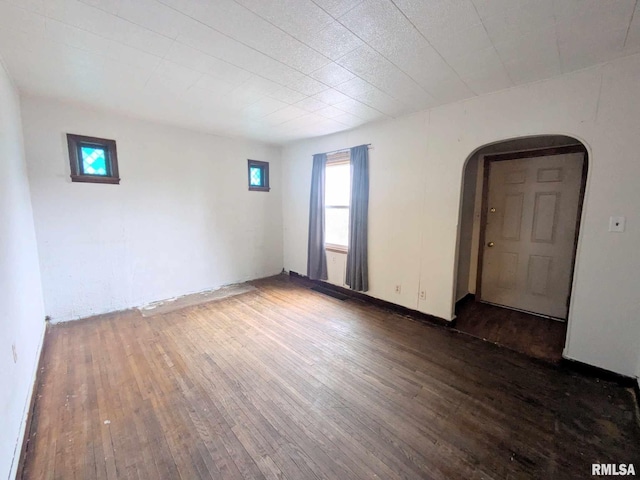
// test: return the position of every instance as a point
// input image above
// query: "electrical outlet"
(423, 295)
(398, 289)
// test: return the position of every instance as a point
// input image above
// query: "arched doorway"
(519, 223)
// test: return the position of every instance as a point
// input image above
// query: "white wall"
(181, 221)
(416, 176)
(21, 308)
(465, 239)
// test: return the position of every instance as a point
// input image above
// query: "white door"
(529, 242)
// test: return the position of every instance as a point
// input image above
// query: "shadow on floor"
(532, 335)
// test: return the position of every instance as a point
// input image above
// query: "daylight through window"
(337, 197)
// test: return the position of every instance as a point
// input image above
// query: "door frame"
(542, 152)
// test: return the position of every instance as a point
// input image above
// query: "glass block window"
(92, 159)
(255, 177)
(258, 175)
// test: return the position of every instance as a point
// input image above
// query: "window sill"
(336, 248)
(95, 179)
(259, 189)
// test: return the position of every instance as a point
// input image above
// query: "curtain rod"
(346, 149)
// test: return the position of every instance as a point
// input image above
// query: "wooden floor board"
(286, 383)
(533, 335)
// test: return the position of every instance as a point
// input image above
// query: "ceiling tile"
(206, 40)
(287, 95)
(297, 17)
(348, 120)
(485, 59)
(332, 74)
(153, 15)
(330, 96)
(384, 103)
(453, 44)
(567, 9)
(513, 22)
(440, 15)
(106, 25)
(263, 107)
(523, 71)
(536, 45)
(446, 86)
(359, 109)
(109, 6)
(334, 41)
(236, 22)
(177, 73)
(617, 16)
(69, 35)
(487, 80)
(87, 41)
(600, 47)
(300, 122)
(18, 19)
(329, 112)
(490, 8)
(413, 55)
(337, 8)
(288, 113)
(307, 85)
(213, 84)
(374, 18)
(384, 75)
(354, 87)
(310, 104)
(201, 62)
(35, 6)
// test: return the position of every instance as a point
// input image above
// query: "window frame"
(264, 166)
(76, 142)
(335, 159)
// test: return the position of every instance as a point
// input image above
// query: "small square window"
(93, 160)
(258, 175)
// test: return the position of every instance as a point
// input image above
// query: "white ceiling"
(282, 70)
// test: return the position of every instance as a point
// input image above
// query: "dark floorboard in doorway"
(532, 335)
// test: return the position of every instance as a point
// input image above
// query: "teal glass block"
(256, 177)
(94, 161)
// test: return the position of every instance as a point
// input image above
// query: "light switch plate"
(616, 224)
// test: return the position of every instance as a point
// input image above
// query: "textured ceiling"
(282, 70)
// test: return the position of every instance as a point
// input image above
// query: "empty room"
(319, 239)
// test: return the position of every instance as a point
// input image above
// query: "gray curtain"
(316, 255)
(357, 276)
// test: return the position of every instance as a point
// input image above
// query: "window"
(93, 159)
(258, 176)
(337, 195)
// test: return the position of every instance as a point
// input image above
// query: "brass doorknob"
(490, 244)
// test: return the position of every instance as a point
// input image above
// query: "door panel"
(512, 220)
(532, 209)
(545, 216)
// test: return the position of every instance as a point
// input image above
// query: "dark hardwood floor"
(283, 382)
(532, 335)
